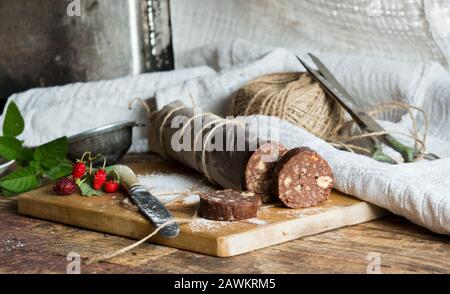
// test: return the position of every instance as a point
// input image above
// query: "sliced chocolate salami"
(228, 205)
(302, 178)
(259, 168)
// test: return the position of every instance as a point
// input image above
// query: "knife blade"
(148, 204)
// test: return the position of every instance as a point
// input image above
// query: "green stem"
(84, 154)
(104, 160)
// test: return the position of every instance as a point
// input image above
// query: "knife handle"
(129, 179)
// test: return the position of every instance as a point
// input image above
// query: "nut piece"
(287, 182)
(324, 182)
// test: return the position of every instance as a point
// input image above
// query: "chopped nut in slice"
(324, 182)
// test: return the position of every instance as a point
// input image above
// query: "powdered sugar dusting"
(169, 186)
(206, 225)
(256, 221)
(192, 199)
(168, 198)
(308, 211)
(166, 182)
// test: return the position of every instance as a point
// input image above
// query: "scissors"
(367, 124)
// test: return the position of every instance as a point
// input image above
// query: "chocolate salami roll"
(158, 122)
(228, 205)
(302, 178)
(173, 127)
(216, 147)
(259, 168)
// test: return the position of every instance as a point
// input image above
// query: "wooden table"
(34, 246)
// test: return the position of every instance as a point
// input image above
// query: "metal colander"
(112, 141)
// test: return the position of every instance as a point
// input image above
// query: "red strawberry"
(78, 170)
(65, 187)
(111, 186)
(99, 179)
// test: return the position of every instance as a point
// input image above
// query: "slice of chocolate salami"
(259, 168)
(302, 178)
(228, 205)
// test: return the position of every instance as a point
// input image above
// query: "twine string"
(161, 127)
(294, 97)
(141, 103)
(200, 136)
(297, 98)
(132, 246)
(180, 221)
(204, 166)
(419, 143)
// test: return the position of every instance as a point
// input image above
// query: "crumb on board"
(8, 245)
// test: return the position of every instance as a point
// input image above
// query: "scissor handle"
(406, 152)
(378, 154)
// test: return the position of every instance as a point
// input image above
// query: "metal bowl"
(112, 141)
(5, 165)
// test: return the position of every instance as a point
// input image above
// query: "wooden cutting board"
(275, 224)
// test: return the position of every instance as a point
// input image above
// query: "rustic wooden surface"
(34, 246)
(108, 214)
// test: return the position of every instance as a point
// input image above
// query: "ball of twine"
(294, 97)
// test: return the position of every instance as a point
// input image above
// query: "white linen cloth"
(406, 30)
(68, 110)
(418, 191)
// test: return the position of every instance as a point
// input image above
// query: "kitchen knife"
(148, 204)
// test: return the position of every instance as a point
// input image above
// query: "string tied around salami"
(161, 127)
(205, 148)
(200, 148)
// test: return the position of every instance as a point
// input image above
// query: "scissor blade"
(333, 92)
(325, 72)
(364, 120)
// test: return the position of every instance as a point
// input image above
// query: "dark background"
(41, 45)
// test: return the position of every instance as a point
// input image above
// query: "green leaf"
(27, 154)
(11, 148)
(87, 190)
(37, 166)
(52, 153)
(20, 181)
(50, 163)
(13, 124)
(63, 169)
(8, 193)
